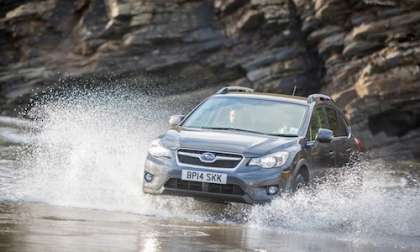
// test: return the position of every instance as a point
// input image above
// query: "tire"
(298, 183)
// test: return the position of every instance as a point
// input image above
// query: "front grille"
(231, 189)
(223, 160)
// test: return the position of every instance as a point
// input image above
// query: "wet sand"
(41, 227)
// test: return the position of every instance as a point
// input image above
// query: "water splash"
(89, 148)
(343, 203)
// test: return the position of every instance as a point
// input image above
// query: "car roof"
(267, 96)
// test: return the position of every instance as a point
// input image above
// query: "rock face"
(371, 53)
(365, 53)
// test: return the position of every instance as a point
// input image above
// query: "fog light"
(148, 177)
(272, 190)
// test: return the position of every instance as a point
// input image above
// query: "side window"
(333, 120)
(318, 120)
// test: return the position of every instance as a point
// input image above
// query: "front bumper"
(244, 185)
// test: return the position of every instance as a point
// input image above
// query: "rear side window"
(332, 119)
(318, 120)
(336, 123)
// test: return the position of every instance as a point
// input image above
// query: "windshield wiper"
(233, 129)
(250, 131)
(283, 135)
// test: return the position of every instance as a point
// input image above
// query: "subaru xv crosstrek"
(243, 146)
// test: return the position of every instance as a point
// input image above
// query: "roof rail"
(319, 98)
(230, 89)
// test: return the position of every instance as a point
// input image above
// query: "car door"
(341, 141)
(322, 154)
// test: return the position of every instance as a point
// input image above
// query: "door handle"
(331, 153)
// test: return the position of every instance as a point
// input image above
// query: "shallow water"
(40, 227)
(71, 179)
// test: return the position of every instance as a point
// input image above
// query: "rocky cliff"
(365, 53)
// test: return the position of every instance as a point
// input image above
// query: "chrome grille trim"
(219, 157)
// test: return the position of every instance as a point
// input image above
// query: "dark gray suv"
(243, 146)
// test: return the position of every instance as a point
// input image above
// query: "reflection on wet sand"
(40, 227)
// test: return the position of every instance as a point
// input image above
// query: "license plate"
(208, 177)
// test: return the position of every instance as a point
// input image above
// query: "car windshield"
(248, 114)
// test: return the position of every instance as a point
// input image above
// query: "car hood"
(248, 144)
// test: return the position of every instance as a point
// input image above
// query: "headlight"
(272, 160)
(157, 150)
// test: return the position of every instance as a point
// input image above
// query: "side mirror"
(175, 120)
(325, 135)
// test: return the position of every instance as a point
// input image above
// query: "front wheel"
(298, 183)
